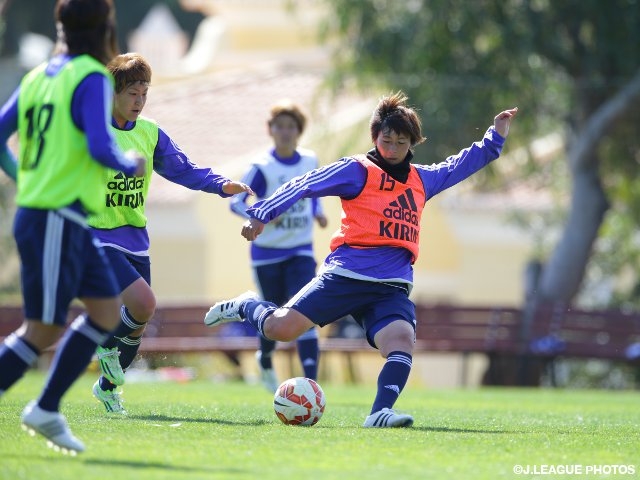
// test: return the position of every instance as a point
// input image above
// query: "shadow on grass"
(111, 463)
(217, 421)
(161, 466)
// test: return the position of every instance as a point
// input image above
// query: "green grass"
(206, 430)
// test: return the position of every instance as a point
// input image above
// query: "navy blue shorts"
(280, 281)
(60, 260)
(330, 297)
(127, 267)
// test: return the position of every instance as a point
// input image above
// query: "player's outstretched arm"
(502, 121)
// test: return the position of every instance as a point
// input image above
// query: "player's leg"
(138, 308)
(21, 349)
(139, 303)
(394, 336)
(136, 296)
(299, 271)
(72, 266)
(326, 299)
(285, 324)
(271, 282)
(133, 273)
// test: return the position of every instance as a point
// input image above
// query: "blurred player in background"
(8, 163)
(282, 258)
(369, 272)
(121, 228)
(60, 112)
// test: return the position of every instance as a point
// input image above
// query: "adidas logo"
(395, 388)
(404, 208)
(123, 183)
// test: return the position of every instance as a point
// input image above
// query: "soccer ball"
(299, 401)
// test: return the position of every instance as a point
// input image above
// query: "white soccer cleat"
(387, 418)
(228, 310)
(51, 425)
(110, 399)
(267, 375)
(109, 361)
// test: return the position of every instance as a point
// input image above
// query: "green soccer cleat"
(109, 360)
(109, 398)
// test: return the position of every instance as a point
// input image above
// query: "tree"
(569, 64)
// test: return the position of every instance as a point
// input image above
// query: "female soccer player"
(60, 111)
(282, 258)
(121, 227)
(369, 272)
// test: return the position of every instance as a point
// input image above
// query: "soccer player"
(121, 228)
(369, 272)
(60, 111)
(282, 258)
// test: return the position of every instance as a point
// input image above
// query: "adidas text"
(126, 184)
(401, 214)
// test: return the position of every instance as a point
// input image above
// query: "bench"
(519, 350)
(516, 349)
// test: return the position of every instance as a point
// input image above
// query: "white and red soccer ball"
(299, 401)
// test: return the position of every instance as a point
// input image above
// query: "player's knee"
(142, 311)
(397, 336)
(396, 345)
(277, 329)
(39, 335)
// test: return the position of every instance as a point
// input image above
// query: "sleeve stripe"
(312, 178)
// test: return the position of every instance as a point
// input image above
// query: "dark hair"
(392, 114)
(129, 68)
(86, 27)
(287, 107)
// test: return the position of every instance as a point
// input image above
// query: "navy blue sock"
(127, 325)
(128, 348)
(16, 356)
(72, 356)
(392, 379)
(266, 351)
(256, 312)
(309, 353)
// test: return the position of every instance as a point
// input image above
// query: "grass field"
(206, 430)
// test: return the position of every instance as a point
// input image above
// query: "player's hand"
(502, 121)
(252, 228)
(322, 220)
(232, 188)
(141, 167)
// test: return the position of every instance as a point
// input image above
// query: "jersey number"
(38, 124)
(387, 183)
